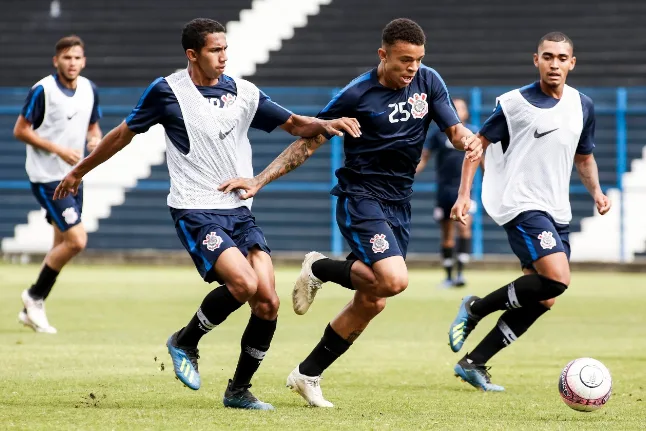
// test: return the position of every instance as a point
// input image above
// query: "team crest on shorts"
(419, 105)
(70, 215)
(379, 243)
(212, 241)
(547, 240)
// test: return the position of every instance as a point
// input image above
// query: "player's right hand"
(69, 184)
(248, 187)
(336, 127)
(69, 156)
(460, 211)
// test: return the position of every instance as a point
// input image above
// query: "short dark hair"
(556, 36)
(403, 29)
(195, 32)
(68, 42)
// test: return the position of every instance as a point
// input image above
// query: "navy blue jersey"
(448, 160)
(495, 128)
(159, 105)
(34, 108)
(382, 161)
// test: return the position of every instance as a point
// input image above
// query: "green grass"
(113, 323)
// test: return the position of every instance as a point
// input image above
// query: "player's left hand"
(336, 127)
(603, 203)
(460, 211)
(92, 143)
(248, 187)
(473, 147)
(69, 184)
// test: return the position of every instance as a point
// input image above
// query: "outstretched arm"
(291, 158)
(465, 140)
(460, 210)
(588, 171)
(308, 127)
(110, 145)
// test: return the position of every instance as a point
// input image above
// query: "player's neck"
(199, 78)
(381, 77)
(555, 92)
(71, 84)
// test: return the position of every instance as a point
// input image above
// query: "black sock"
(464, 253)
(511, 325)
(215, 308)
(324, 354)
(336, 271)
(522, 292)
(447, 261)
(44, 284)
(254, 345)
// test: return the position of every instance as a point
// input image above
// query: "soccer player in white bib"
(537, 133)
(206, 116)
(59, 119)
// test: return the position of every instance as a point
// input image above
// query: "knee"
(555, 284)
(395, 284)
(76, 244)
(243, 285)
(370, 306)
(267, 308)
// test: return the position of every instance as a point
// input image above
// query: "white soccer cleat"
(307, 284)
(35, 316)
(308, 387)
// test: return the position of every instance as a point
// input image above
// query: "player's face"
(401, 62)
(554, 61)
(461, 107)
(70, 62)
(212, 57)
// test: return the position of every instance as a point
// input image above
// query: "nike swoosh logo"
(376, 114)
(540, 135)
(69, 117)
(224, 135)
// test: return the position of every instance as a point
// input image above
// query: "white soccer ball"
(585, 384)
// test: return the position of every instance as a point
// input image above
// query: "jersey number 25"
(398, 108)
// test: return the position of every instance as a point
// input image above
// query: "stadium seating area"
(296, 212)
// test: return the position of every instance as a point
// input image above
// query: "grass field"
(104, 368)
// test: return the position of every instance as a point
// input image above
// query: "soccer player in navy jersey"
(59, 120)
(395, 104)
(206, 116)
(539, 131)
(448, 171)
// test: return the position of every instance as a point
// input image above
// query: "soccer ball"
(585, 384)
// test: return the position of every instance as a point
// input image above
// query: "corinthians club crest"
(212, 241)
(547, 240)
(379, 243)
(419, 105)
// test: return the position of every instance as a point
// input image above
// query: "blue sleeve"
(495, 128)
(442, 109)
(96, 109)
(586, 141)
(339, 106)
(34, 108)
(149, 110)
(269, 114)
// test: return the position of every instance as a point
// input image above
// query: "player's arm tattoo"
(354, 335)
(291, 158)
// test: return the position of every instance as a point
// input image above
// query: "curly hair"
(403, 29)
(195, 32)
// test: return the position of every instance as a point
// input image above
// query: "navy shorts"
(207, 233)
(373, 229)
(535, 234)
(445, 201)
(64, 213)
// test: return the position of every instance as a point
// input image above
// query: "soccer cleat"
(463, 324)
(36, 318)
(460, 281)
(307, 284)
(184, 362)
(308, 387)
(477, 375)
(445, 284)
(242, 398)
